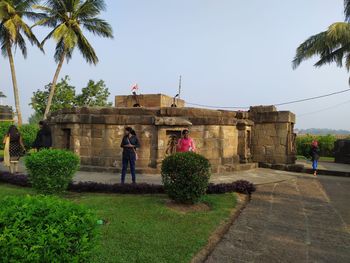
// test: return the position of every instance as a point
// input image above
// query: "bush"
(4, 127)
(326, 144)
(45, 229)
(185, 176)
(240, 186)
(51, 171)
(27, 131)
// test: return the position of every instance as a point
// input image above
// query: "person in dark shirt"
(43, 138)
(315, 156)
(129, 143)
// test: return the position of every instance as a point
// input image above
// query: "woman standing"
(43, 138)
(186, 144)
(14, 148)
(129, 144)
(315, 156)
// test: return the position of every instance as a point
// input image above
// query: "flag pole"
(180, 82)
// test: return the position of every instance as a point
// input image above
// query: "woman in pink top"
(186, 144)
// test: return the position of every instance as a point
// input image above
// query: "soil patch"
(187, 208)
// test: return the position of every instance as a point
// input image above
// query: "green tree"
(95, 94)
(35, 118)
(69, 18)
(332, 45)
(64, 97)
(12, 31)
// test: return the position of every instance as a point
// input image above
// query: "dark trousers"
(128, 158)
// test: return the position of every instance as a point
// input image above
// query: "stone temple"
(231, 140)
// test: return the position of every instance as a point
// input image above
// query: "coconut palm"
(69, 18)
(12, 28)
(332, 45)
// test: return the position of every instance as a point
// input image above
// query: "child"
(315, 156)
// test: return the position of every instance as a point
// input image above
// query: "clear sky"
(229, 52)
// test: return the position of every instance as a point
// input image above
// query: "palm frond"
(347, 10)
(98, 27)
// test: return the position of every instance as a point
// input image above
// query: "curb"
(299, 168)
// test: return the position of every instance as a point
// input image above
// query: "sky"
(229, 53)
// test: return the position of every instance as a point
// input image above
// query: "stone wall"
(147, 100)
(342, 151)
(273, 138)
(95, 134)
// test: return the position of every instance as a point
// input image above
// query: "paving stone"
(291, 221)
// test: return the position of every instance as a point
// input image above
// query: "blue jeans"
(314, 165)
(128, 158)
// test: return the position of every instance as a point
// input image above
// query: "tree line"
(68, 20)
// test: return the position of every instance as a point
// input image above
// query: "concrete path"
(256, 176)
(329, 166)
(291, 221)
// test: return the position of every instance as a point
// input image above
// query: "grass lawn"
(142, 229)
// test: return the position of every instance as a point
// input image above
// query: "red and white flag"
(134, 88)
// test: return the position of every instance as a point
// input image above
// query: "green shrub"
(45, 229)
(4, 127)
(325, 142)
(27, 131)
(50, 171)
(185, 176)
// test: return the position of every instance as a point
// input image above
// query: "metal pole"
(180, 80)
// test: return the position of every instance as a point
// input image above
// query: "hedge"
(326, 144)
(28, 132)
(93, 187)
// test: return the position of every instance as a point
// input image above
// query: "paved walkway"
(340, 167)
(291, 221)
(256, 176)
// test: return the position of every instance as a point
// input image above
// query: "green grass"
(322, 159)
(141, 228)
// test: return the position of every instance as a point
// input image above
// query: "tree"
(64, 97)
(94, 94)
(12, 28)
(68, 18)
(332, 45)
(35, 118)
(2, 95)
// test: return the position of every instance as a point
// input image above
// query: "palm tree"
(332, 45)
(12, 28)
(68, 18)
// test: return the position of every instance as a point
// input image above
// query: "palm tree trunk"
(53, 86)
(14, 83)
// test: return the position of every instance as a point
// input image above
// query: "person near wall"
(129, 143)
(315, 156)
(186, 143)
(43, 138)
(14, 149)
